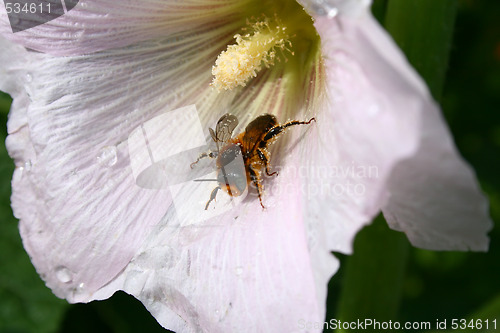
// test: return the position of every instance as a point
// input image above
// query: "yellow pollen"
(243, 60)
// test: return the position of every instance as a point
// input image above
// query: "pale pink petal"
(248, 270)
(362, 128)
(380, 111)
(14, 76)
(94, 25)
(245, 270)
(442, 207)
(144, 281)
(82, 217)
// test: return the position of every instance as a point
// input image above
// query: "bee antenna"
(205, 180)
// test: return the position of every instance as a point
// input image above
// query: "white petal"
(83, 220)
(15, 76)
(366, 127)
(442, 207)
(82, 215)
(247, 270)
(382, 113)
(95, 25)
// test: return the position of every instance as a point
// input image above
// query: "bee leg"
(211, 154)
(256, 180)
(212, 196)
(277, 130)
(264, 157)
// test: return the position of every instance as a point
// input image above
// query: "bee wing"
(212, 134)
(224, 129)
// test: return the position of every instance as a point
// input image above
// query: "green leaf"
(379, 7)
(373, 277)
(423, 29)
(5, 101)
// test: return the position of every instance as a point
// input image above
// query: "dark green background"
(385, 278)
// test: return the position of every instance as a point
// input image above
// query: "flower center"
(243, 60)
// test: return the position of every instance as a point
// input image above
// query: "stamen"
(243, 60)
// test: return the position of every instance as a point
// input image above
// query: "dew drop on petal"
(332, 12)
(18, 175)
(238, 270)
(27, 166)
(107, 156)
(321, 7)
(29, 77)
(63, 274)
(28, 92)
(78, 291)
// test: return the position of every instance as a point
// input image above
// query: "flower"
(104, 69)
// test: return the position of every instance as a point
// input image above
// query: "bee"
(251, 145)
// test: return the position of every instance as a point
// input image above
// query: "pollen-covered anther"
(243, 60)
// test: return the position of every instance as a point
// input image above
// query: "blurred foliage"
(423, 30)
(435, 285)
(119, 314)
(455, 284)
(373, 275)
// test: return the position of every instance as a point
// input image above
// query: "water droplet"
(29, 77)
(322, 7)
(332, 12)
(27, 165)
(63, 274)
(238, 270)
(107, 156)
(29, 93)
(79, 291)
